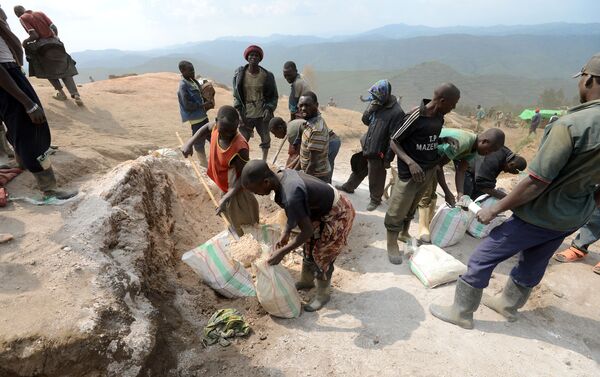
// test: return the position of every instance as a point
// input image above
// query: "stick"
(212, 197)
(280, 148)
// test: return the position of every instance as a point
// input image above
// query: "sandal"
(571, 254)
(596, 268)
(60, 96)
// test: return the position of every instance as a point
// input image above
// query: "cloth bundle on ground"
(216, 268)
(6, 175)
(479, 230)
(224, 325)
(48, 59)
(433, 266)
(449, 224)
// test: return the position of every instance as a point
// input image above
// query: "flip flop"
(596, 268)
(569, 255)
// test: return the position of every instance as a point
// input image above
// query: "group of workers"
(557, 197)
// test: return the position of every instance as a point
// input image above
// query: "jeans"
(534, 245)
(589, 233)
(334, 147)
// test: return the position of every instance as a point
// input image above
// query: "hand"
(486, 215)
(222, 205)
(207, 105)
(268, 115)
(187, 150)
(275, 258)
(284, 240)
(450, 199)
(38, 116)
(417, 173)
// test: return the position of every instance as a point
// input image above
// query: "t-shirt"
(294, 131)
(6, 55)
(302, 195)
(37, 21)
(569, 161)
(253, 93)
(487, 169)
(535, 120)
(315, 139)
(466, 144)
(418, 136)
(298, 88)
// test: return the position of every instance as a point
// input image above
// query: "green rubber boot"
(460, 313)
(321, 298)
(307, 279)
(405, 235)
(46, 181)
(512, 298)
(394, 252)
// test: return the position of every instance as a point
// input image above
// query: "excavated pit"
(147, 309)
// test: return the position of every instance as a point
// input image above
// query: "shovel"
(230, 228)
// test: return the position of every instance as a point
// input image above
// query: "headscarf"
(253, 48)
(380, 91)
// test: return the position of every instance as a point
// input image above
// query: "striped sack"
(479, 230)
(223, 274)
(449, 225)
(276, 291)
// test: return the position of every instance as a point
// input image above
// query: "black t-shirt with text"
(303, 195)
(418, 136)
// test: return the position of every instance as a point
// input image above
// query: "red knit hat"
(253, 48)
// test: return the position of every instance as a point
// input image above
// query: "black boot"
(512, 298)
(394, 252)
(47, 184)
(460, 313)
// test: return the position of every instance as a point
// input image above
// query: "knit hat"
(253, 48)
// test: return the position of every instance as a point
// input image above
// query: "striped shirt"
(315, 140)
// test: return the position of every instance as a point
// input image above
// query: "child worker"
(228, 154)
(323, 215)
(192, 105)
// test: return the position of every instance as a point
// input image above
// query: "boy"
(293, 132)
(415, 143)
(192, 106)
(322, 214)
(255, 97)
(229, 152)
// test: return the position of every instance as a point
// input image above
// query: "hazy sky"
(146, 24)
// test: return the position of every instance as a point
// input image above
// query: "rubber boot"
(405, 235)
(265, 154)
(460, 313)
(372, 206)
(321, 298)
(513, 297)
(425, 217)
(46, 181)
(394, 253)
(307, 279)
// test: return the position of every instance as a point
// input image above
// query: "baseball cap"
(592, 67)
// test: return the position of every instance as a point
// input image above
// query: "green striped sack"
(449, 225)
(276, 291)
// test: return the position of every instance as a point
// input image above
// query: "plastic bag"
(276, 290)
(433, 266)
(214, 265)
(449, 225)
(479, 230)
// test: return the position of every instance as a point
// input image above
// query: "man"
(535, 121)
(415, 143)
(293, 132)
(46, 54)
(480, 116)
(588, 234)
(21, 110)
(382, 117)
(553, 118)
(559, 196)
(323, 215)
(299, 86)
(483, 171)
(192, 106)
(255, 97)
(314, 147)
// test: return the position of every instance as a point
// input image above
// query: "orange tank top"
(219, 159)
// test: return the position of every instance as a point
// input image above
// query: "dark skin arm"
(238, 163)
(8, 84)
(525, 191)
(33, 36)
(450, 199)
(415, 170)
(284, 248)
(204, 131)
(459, 178)
(314, 160)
